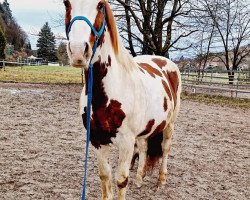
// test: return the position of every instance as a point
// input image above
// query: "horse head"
(84, 20)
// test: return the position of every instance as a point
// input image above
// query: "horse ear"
(68, 13)
(66, 3)
(111, 27)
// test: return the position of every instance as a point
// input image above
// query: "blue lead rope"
(90, 86)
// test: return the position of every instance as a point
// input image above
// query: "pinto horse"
(135, 100)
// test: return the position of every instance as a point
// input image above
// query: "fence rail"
(215, 81)
(208, 81)
(4, 63)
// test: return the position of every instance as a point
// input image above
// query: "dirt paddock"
(42, 148)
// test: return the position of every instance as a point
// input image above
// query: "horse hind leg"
(151, 150)
(135, 156)
(166, 145)
(105, 172)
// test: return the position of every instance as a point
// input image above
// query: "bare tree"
(202, 49)
(204, 37)
(153, 26)
(231, 19)
(62, 54)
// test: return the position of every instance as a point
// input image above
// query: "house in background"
(32, 60)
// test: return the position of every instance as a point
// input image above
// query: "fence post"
(184, 75)
(237, 85)
(211, 80)
(4, 65)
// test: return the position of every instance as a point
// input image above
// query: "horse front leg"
(105, 172)
(126, 148)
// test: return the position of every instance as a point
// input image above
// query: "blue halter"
(97, 34)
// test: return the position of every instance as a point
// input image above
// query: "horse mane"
(121, 53)
(111, 27)
(68, 13)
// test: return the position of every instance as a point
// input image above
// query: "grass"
(41, 74)
(218, 100)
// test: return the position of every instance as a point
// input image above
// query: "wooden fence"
(217, 82)
(207, 81)
(4, 63)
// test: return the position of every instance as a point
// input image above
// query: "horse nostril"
(79, 61)
(86, 49)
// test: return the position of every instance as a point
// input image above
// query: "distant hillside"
(14, 34)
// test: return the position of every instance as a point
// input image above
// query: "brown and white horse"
(135, 100)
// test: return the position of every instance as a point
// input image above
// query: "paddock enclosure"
(42, 149)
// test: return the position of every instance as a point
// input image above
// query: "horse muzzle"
(79, 54)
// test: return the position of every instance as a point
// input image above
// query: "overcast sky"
(32, 14)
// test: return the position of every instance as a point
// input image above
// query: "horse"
(135, 101)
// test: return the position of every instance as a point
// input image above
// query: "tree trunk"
(230, 77)
(131, 46)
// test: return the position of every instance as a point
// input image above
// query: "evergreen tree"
(2, 45)
(1, 9)
(28, 48)
(46, 44)
(7, 12)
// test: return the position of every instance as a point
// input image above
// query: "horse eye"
(100, 6)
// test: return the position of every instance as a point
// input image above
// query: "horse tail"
(154, 152)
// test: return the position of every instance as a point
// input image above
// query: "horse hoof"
(162, 180)
(108, 198)
(161, 184)
(138, 182)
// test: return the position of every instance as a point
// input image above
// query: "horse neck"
(111, 70)
(121, 60)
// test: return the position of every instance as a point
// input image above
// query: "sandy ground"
(42, 146)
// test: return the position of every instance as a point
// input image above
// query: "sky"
(31, 15)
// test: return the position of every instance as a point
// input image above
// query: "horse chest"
(105, 123)
(107, 114)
